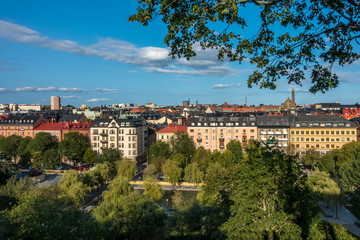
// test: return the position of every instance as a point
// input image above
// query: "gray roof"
(20, 120)
(273, 121)
(320, 121)
(133, 122)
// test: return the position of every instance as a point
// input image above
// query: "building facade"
(273, 131)
(127, 135)
(21, 125)
(213, 133)
(320, 133)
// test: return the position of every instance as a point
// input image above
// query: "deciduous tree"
(172, 171)
(287, 39)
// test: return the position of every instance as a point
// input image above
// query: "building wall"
(165, 137)
(216, 138)
(21, 130)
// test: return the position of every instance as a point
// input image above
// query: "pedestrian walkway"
(344, 217)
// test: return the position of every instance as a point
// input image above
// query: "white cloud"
(98, 100)
(154, 59)
(221, 86)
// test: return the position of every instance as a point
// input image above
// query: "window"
(322, 132)
(317, 132)
(297, 132)
(206, 131)
(312, 139)
(312, 132)
(292, 132)
(307, 132)
(252, 130)
(342, 132)
(327, 132)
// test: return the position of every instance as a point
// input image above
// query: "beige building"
(55, 103)
(213, 133)
(166, 134)
(127, 135)
(320, 133)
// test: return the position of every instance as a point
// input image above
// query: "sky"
(87, 52)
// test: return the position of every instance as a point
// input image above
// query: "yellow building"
(320, 133)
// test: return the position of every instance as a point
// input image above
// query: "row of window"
(326, 124)
(15, 133)
(322, 132)
(321, 139)
(21, 128)
(222, 131)
(112, 145)
(215, 124)
(121, 131)
(214, 137)
(112, 138)
(317, 146)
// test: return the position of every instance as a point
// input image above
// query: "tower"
(55, 103)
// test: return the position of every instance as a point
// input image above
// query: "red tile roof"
(50, 127)
(76, 126)
(173, 128)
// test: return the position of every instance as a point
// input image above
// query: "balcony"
(278, 133)
(104, 141)
(221, 146)
(103, 134)
(199, 140)
(270, 132)
(221, 139)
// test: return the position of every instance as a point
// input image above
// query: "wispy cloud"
(93, 100)
(153, 59)
(221, 86)
(106, 90)
(70, 97)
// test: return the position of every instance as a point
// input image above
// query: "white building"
(127, 135)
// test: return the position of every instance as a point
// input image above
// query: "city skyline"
(89, 53)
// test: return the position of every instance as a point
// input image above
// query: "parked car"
(35, 172)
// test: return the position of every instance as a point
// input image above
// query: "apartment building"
(213, 133)
(166, 134)
(22, 125)
(273, 131)
(54, 129)
(127, 135)
(55, 103)
(320, 133)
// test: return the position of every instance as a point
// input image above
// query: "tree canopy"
(288, 39)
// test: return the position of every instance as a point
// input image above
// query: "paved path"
(345, 217)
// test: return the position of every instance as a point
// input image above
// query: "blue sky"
(87, 52)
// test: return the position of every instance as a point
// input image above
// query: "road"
(345, 217)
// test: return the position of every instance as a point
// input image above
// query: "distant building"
(55, 103)
(289, 105)
(29, 107)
